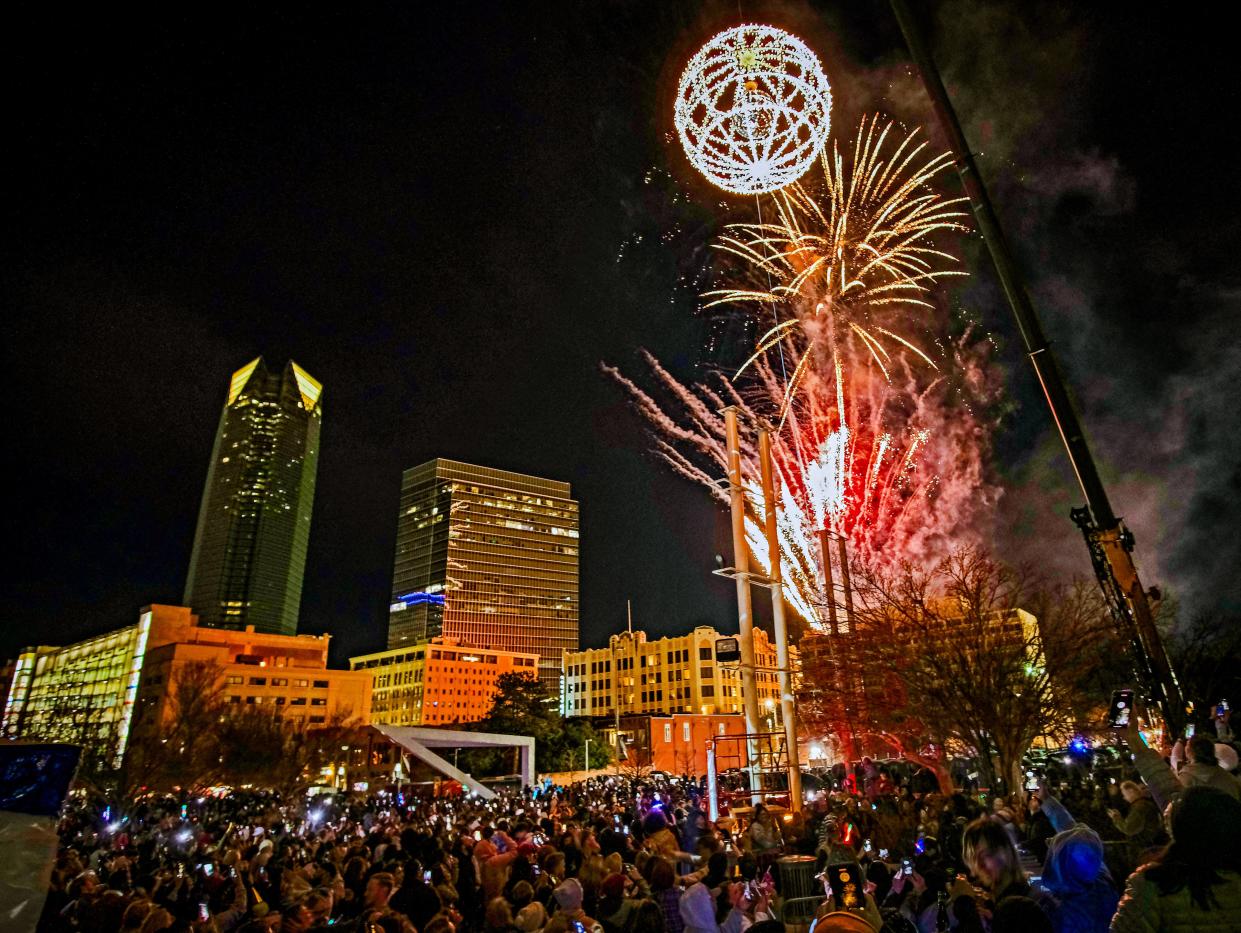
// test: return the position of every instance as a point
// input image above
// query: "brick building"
(437, 682)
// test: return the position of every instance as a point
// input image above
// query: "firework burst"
(832, 266)
(872, 441)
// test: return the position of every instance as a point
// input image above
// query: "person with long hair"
(1195, 883)
(988, 851)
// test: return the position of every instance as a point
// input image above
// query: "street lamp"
(587, 760)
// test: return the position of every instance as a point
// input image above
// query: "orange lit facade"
(287, 673)
(437, 682)
(678, 743)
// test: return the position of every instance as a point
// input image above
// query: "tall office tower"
(487, 558)
(254, 523)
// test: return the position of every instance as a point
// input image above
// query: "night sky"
(443, 214)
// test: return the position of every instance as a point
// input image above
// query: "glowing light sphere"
(753, 109)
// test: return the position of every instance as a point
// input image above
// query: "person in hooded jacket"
(1078, 893)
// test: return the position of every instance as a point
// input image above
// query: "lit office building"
(81, 694)
(437, 683)
(285, 673)
(98, 692)
(486, 558)
(254, 522)
(678, 674)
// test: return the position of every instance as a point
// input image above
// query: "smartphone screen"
(203, 913)
(426, 875)
(907, 867)
(846, 884)
(1189, 731)
(1121, 709)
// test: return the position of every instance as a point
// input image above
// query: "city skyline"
(453, 259)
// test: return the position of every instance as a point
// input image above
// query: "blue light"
(1079, 745)
(421, 598)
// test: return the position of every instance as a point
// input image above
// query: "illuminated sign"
(421, 597)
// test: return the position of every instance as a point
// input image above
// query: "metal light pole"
(586, 761)
(784, 674)
(741, 568)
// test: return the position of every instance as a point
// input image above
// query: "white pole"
(784, 675)
(713, 787)
(741, 564)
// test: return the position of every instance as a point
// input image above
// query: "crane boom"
(1109, 541)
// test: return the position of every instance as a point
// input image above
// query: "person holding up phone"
(845, 885)
(1203, 769)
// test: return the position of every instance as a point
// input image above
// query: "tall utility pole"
(784, 674)
(745, 618)
(1109, 541)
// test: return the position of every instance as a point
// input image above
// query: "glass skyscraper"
(254, 523)
(488, 558)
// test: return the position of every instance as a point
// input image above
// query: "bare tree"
(191, 738)
(970, 655)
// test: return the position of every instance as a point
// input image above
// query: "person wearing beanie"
(1078, 892)
(614, 909)
(841, 921)
(531, 918)
(568, 899)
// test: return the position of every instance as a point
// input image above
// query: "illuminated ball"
(753, 109)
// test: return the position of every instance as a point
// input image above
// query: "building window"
(320, 684)
(297, 701)
(667, 732)
(708, 690)
(319, 701)
(258, 681)
(280, 681)
(685, 731)
(233, 679)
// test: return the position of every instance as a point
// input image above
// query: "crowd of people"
(1159, 851)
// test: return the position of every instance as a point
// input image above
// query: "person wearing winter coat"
(1143, 824)
(1204, 769)
(1077, 890)
(1195, 883)
(698, 910)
